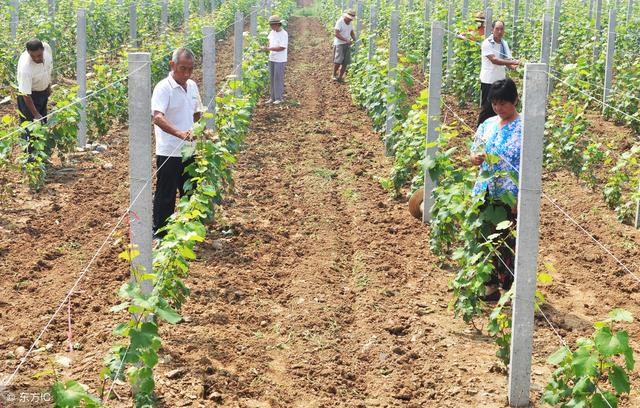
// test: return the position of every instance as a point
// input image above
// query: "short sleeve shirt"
(278, 39)
(345, 31)
(34, 77)
(505, 143)
(490, 72)
(178, 106)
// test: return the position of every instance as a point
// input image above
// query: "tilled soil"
(314, 288)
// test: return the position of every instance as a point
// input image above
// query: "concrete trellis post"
(140, 218)
(534, 105)
(590, 15)
(465, 9)
(450, 36)
(213, 5)
(433, 111)
(488, 14)
(52, 9)
(629, 10)
(596, 46)
(81, 75)
(410, 5)
(201, 7)
(133, 25)
(237, 50)
(350, 5)
(13, 18)
(359, 11)
(164, 16)
(527, 6)
(557, 8)
(373, 22)
(209, 73)
(516, 24)
(611, 47)
(638, 211)
(555, 34)
(427, 41)
(253, 21)
(185, 15)
(397, 7)
(545, 49)
(391, 75)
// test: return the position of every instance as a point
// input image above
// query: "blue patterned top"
(504, 143)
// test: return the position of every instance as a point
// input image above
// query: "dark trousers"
(40, 99)
(170, 179)
(504, 260)
(486, 110)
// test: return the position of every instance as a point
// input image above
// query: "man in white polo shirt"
(344, 37)
(277, 49)
(496, 55)
(176, 106)
(34, 82)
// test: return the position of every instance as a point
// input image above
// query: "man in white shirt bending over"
(176, 106)
(496, 55)
(34, 82)
(344, 38)
(278, 43)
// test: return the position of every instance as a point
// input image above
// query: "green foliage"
(464, 79)
(565, 135)
(410, 146)
(57, 135)
(597, 372)
(72, 394)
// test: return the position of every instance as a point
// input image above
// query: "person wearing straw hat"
(343, 39)
(496, 55)
(476, 33)
(277, 49)
(35, 67)
(175, 106)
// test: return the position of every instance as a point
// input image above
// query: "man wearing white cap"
(344, 38)
(278, 43)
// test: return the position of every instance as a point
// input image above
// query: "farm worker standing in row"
(477, 33)
(496, 55)
(34, 82)
(176, 106)
(344, 37)
(278, 43)
(500, 136)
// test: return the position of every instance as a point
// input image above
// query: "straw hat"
(275, 20)
(479, 17)
(350, 14)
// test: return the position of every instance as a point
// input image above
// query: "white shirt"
(278, 39)
(490, 72)
(345, 31)
(32, 76)
(178, 106)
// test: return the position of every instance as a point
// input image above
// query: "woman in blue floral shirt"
(499, 137)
